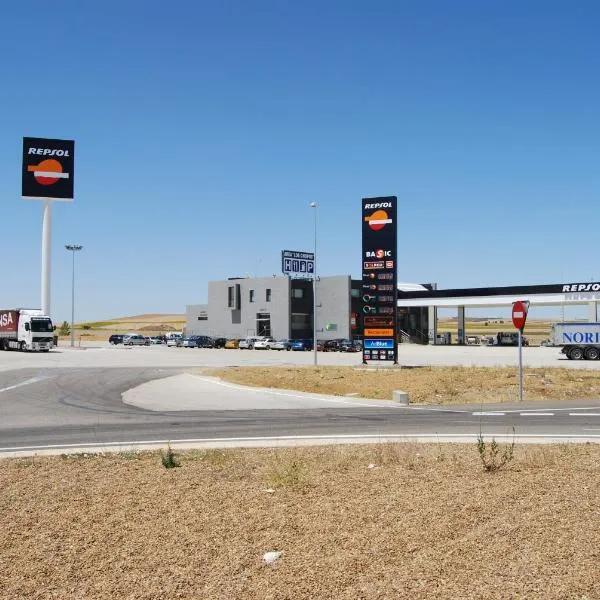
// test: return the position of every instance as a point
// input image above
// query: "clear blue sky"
(204, 129)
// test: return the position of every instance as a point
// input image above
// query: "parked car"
(173, 342)
(136, 340)
(219, 342)
(203, 341)
(332, 346)
(189, 342)
(248, 343)
(116, 338)
(264, 344)
(157, 339)
(350, 346)
(282, 345)
(302, 345)
(232, 344)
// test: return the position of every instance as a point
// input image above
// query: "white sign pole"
(520, 365)
(315, 361)
(46, 253)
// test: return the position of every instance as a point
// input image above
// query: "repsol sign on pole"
(48, 169)
(379, 285)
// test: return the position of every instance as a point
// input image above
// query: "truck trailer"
(25, 329)
(577, 340)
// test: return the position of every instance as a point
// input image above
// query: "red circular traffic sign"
(519, 313)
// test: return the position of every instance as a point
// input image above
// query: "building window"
(230, 296)
(300, 321)
(203, 318)
(297, 293)
(268, 295)
(251, 296)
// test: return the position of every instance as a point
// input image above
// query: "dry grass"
(535, 331)
(425, 385)
(148, 324)
(425, 522)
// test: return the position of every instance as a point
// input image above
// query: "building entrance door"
(263, 324)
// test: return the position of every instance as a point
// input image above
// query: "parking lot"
(103, 354)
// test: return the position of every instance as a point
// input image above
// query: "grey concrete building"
(277, 306)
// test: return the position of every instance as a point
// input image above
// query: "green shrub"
(169, 459)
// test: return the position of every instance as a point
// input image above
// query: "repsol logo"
(379, 205)
(6, 319)
(581, 287)
(581, 337)
(48, 152)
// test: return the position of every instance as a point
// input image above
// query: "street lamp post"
(315, 206)
(73, 248)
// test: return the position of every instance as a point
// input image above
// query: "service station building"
(282, 306)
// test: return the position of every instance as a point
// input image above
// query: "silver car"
(136, 340)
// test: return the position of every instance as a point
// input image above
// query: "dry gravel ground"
(425, 385)
(371, 522)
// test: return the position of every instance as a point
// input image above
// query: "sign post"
(47, 174)
(519, 316)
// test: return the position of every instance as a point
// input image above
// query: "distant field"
(150, 324)
(155, 324)
(535, 330)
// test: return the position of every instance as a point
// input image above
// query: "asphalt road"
(61, 408)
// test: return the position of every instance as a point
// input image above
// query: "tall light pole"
(315, 206)
(73, 248)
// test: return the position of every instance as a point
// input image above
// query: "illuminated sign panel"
(379, 261)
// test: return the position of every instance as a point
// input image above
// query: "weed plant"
(493, 457)
(289, 475)
(169, 459)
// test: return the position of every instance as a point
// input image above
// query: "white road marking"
(489, 413)
(557, 409)
(306, 439)
(27, 382)
(581, 414)
(536, 414)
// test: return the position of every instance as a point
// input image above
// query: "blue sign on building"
(294, 262)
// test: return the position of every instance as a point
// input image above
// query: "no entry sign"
(519, 313)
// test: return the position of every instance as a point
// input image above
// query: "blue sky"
(204, 130)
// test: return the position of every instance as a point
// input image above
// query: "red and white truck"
(25, 329)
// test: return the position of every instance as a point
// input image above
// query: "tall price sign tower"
(47, 174)
(379, 281)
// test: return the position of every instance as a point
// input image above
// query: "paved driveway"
(104, 355)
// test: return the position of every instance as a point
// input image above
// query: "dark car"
(203, 341)
(302, 345)
(332, 345)
(116, 338)
(350, 346)
(219, 342)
